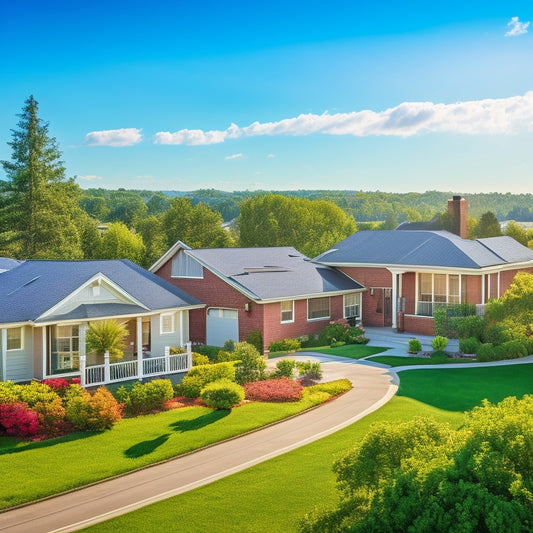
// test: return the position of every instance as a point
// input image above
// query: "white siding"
(19, 363)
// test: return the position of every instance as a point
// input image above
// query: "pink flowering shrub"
(18, 420)
(273, 390)
(58, 385)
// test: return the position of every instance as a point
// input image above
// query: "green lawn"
(352, 351)
(32, 470)
(397, 360)
(274, 495)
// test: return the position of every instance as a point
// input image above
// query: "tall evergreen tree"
(39, 206)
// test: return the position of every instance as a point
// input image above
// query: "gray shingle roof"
(425, 248)
(34, 287)
(7, 263)
(270, 273)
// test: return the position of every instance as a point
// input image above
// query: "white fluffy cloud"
(121, 137)
(490, 116)
(233, 156)
(89, 178)
(517, 27)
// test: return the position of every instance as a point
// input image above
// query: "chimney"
(458, 208)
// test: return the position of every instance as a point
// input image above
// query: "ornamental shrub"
(274, 390)
(469, 345)
(255, 338)
(486, 353)
(415, 345)
(496, 334)
(9, 392)
(199, 359)
(333, 332)
(514, 349)
(58, 385)
(224, 357)
(199, 376)
(285, 345)
(250, 365)
(308, 370)
(333, 388)
(470, 326)
(229, 346)
(222, 394)
(176, 351)
(94, 412)
(210, 351)
(36, 392)
(51, 415)
(439, 343)
(285, 368)
(18, 420)
(146, 397)
(309, 341)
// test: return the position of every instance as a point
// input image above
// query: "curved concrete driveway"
(373, 386)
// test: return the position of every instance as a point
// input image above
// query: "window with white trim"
(287, 311)
(14, 339)
(184, 266)
(167, 323)
(439, 290)
(352, 305)
(318, 308)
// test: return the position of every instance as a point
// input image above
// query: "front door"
(387, 307)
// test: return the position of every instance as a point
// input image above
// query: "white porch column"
(83, 337)
(4, 354)
(82, 370)
(181, 327)
(482, 288)
(499, 272)
(396, 290)
(139, 348)
(107, 370)
(44, 350)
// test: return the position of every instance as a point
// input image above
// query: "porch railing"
(137, 369)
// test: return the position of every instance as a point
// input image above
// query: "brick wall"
(215, 292)
(408, 291)
(422, 325)
(372, 304)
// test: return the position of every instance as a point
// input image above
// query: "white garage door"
(222, 324)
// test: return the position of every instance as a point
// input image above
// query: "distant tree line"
(44, 214)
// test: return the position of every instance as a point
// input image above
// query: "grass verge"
(33, 470)
(274, 495)
(352, 351)
(396, 360)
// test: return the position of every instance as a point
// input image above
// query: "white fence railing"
(136, 369)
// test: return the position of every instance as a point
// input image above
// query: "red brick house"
(277, 291)
(409, 273)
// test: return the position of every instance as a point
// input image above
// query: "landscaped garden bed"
(177, 424)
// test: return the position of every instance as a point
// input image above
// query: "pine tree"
(39, 206)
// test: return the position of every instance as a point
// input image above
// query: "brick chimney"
(458, 208)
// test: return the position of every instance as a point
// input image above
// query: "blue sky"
(388, 96)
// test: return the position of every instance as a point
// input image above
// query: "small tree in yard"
(251, 365)
(106, 336)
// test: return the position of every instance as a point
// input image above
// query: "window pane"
(167, 324)
(286, 311)
(317, 308)
(14, 339)
(351, 305)
(439, 288)
(424, 288)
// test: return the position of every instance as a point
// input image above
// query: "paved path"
(373, 386)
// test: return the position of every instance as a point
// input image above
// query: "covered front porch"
(146, 352)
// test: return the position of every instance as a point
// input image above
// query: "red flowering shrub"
(76, 381)
(18, 420)
(58, 385)
(51, 415)
(94, 412)
(273, 390)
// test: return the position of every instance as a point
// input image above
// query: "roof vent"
(24, 285)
